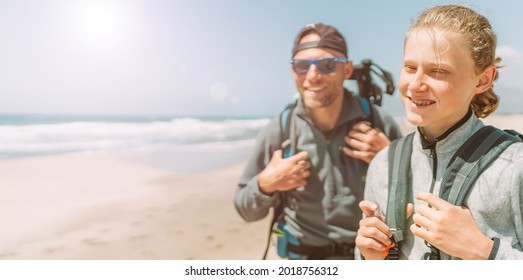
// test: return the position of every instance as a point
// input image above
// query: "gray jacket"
(495, 200)
(326, 210)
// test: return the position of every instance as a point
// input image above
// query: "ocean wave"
(80, 136)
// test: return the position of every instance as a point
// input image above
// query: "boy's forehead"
(433, 47)
(435, 42)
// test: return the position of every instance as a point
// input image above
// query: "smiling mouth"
(315, 89)
(422, 103)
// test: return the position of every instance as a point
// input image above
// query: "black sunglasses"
(324, 65)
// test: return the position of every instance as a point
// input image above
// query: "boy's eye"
(439, 71)
(410, 68)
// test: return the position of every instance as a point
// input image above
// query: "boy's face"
(438, 80)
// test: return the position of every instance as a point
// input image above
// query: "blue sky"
(202, 58)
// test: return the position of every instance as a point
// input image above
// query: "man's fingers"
(305, 164)
(277, 154)
(362, 126)
(299, 183)
(301, 156)
(299, 168)
(359, 144)
(305, 174)
(348, 151)
(302, 173)
(364, 156)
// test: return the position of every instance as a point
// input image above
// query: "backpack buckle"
(393, 250)
(397, 235)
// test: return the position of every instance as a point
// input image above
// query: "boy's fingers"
(369, 208)
(433, 200)
(410, 209)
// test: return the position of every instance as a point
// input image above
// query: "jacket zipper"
(434, 167)
(434, 157)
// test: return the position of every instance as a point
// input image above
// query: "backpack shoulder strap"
(514, 133)
(365, 106)
(399, 185)
(471, 159)
(285, 129)
(277, 215)
(286, 145)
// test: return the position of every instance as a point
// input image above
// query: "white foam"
(101, 136)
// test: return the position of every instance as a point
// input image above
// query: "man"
(320, 186)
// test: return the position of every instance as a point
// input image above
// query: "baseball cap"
(330, 38)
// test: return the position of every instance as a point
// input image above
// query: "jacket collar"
(453, 138)
(351, 110)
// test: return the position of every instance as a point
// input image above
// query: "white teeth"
(314, 88)
(422, 103)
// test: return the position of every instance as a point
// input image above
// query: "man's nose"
(313, 72)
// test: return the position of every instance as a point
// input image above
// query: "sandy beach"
(119, 206)
(106, 207)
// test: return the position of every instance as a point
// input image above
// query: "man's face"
(318, 89)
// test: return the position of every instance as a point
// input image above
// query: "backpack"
(288, 144)
(464, 168)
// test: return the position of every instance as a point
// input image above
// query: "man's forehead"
(320, 36)
(314, 53)
(311, 37)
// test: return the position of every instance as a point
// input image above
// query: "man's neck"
(326, 117)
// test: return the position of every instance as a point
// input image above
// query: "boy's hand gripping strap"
(400, 151)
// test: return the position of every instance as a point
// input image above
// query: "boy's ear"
(486, 79)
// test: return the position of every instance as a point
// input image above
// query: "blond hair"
(482, 40)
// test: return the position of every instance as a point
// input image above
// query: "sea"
(226, 139)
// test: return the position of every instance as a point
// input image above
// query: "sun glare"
(98, 22)
(97, 25)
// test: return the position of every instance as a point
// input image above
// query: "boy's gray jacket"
(326, 209)
(495, 200)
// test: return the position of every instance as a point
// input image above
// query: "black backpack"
(464, 168)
